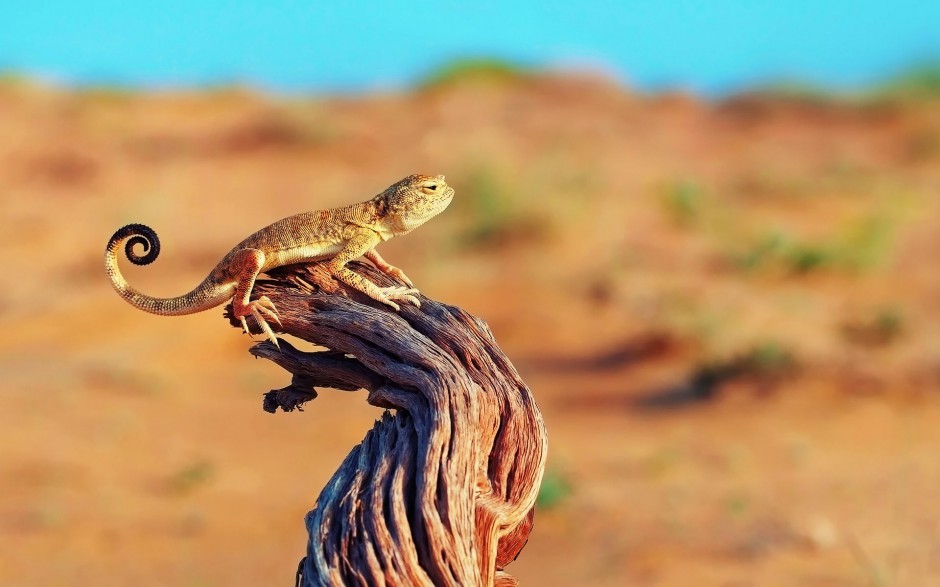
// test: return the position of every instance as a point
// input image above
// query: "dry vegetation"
(728, 313)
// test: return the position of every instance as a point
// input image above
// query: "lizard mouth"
(437, 203)
(448, 195)
(444, 201)
(429, 208)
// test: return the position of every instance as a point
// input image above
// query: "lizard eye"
(431, 187)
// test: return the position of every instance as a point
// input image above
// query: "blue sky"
(290, 45)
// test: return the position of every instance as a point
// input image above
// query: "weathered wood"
(442, 490)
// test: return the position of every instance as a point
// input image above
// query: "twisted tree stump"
(442, 490)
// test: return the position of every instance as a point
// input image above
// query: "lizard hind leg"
(245, 266)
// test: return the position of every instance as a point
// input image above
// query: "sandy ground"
(728, 313)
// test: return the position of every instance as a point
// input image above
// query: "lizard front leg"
(361, 242)
(386, 267)
(245, 266)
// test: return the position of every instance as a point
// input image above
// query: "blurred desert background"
(728, 308)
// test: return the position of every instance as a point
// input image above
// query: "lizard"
(339, 235)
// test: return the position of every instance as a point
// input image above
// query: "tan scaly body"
(341, 235)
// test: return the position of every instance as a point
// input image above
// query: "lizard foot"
(398, 273)
(387, 268)
(262, 310)
(404, 294)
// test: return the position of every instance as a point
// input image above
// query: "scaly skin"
(341, 235)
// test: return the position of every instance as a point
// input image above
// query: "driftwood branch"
(442, 490)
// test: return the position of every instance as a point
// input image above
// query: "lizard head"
(413, 201)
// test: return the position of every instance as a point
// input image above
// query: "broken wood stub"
(442, 490)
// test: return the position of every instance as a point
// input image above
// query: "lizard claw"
(396, 272)
(266, 307)
(387, 268)
(405, 294)
(264, 325)
(261, 310)
(411, 299)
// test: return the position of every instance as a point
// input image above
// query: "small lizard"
(340, 235)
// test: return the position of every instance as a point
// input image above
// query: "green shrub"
(191, 477)
(918, 82)
(488, 204)
(473, 69)
(554, 490)
(682, 201)
(882, 328)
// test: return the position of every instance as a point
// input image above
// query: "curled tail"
(207, 295)
(136, 234)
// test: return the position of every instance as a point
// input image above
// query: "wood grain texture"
(442, 490)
